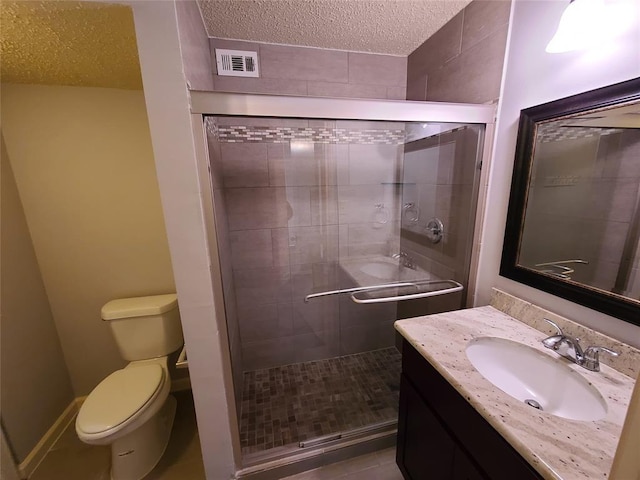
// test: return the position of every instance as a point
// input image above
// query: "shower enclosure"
(334, 218)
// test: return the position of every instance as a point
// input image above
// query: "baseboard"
(179, 384)
(29, 464)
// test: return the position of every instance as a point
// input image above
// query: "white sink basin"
(536, 379)
(380, 270)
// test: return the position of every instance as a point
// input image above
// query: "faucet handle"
(558, 329)
(554, 341)
(591, 357)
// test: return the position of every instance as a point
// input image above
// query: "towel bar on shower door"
(454, 287)
(358, 289)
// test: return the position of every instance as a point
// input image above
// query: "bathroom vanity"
(456, 424)
(441, 436)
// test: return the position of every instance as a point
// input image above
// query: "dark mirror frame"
(600, 300)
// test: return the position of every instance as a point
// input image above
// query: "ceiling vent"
(237, 63)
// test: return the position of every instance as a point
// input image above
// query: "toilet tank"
(145, 327)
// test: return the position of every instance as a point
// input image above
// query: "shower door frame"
(261, 105)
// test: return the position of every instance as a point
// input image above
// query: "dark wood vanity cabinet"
(442, 437)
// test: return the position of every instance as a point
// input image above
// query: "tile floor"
(373, 466)
(70, 459)
(288, 404)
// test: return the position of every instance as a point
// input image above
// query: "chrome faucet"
(569, 347)
(405, 260)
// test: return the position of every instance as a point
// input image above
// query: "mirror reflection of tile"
(582, 221)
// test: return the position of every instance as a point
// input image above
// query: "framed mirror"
(573, 224)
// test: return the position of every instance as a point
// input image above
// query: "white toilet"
(131, 409)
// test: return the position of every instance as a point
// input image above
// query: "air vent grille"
(237, 63)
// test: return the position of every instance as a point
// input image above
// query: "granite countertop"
(556, 447)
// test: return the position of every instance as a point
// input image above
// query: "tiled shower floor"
(285, 405)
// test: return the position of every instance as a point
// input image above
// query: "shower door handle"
(455, 287)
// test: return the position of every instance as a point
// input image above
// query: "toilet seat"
(119, 399)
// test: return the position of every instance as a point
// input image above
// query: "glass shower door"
(314, 207)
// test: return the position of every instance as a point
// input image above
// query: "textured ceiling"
(93, 44)
(68, 43)
(381, 26)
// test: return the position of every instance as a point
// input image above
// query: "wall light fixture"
(584, 24)
(590, 23)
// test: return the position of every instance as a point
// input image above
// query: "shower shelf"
(404, 291)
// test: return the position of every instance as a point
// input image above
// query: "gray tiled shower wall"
(224, 254)
(443, 168)
(293, 209)
(315, 72)
(607, 183)
(462, 62)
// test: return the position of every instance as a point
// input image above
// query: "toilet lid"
(118, 397)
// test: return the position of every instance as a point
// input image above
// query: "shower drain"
(533, 403)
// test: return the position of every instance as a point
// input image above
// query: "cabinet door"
(425, 449)
(464, 468)
(487, 449)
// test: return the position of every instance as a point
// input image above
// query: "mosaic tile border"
(559, 130)
(249, 134)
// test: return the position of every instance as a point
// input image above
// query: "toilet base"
(134, 456)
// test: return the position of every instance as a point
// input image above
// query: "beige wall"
(462, 62)
(34, 384)
(84, 168)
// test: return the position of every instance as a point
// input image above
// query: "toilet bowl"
(131, 409)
